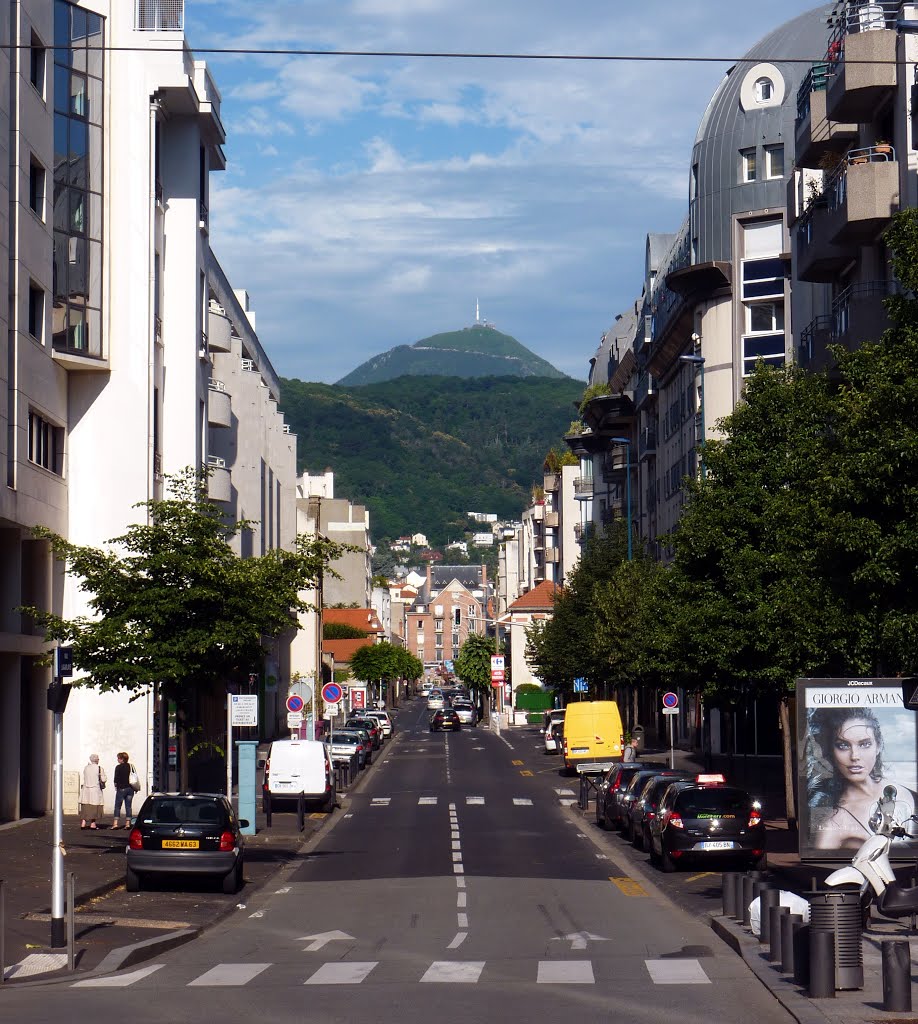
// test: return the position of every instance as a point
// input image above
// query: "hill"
(421, 452)
(478, 351)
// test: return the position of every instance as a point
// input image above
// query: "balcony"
(862, 60)
(863, 195)
(647, 443)
(553, 519)
(219, 329)
(219, 483)
(552, 555)
(818, 259)
(814, 341)
(815, 135)
(859, 313)
(219, 405)
(551, 482)
(583, 488)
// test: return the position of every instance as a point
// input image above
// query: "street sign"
(498, 663)
(295, 703)
(670, 711)
(358, 697)
(63, 662)
(910, 693)
(294, 720)
(331, 693)
(581, 686)
(244, 709)
(331, 710)
(670, 700)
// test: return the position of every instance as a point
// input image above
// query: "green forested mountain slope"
(478, 351)
(420, 452)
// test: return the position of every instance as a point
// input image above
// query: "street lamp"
(699, 362)
(626, 441)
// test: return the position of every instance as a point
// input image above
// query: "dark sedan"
(610, 805)
(643, 810)
(445, 718)
(370, 725)
(186, 834)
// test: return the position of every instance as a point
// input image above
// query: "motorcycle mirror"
(889, 793)
(876, 820)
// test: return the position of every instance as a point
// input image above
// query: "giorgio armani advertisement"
(855, 737)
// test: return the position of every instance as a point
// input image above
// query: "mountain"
(478, 351)
(421, 452)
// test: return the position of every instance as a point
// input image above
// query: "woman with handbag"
(94, 780)
(126, 785)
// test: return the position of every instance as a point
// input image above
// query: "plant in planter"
(883, 147)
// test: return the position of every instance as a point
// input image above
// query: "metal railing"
(216, 462)
(815, 80)
(216, 385)
(583, 485)
(850, 17)
(854, 293)
(203, 215)
(157, 328)
(159, 15)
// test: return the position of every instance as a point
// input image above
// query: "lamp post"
(698, 361)
(626, 441)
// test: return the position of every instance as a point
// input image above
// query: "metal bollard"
(301, 812)
(71, 911)
(728, 894)
(801, 954)
(787, 940)
(776, 915)
(738, 896)
(748, 884)
(822, 965)
(897, 975)
(759, 890)
(768, 898)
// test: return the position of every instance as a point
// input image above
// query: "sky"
(370, 202)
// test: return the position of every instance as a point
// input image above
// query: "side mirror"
(890, 793)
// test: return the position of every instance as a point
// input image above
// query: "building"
(534, 606)
(452, 603)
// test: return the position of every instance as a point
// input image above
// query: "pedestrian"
(94, 779)
(630, 753)
(124, 791)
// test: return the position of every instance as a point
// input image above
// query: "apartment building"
(127, 355)
(451, 604)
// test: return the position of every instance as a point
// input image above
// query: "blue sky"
(368, 202)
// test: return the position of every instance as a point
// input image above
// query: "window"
(37, 65)
(36, 312)
(748, 166)
(438, 625)
(764, 317)
(763, 90)
(45, 447)
(774, 161)
(457, 616)
(763, 279)
(37, 188)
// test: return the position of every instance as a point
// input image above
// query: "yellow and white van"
(592, 732)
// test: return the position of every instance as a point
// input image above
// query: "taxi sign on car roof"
(710, 780)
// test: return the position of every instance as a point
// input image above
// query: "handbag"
(101, 780)
(134, 780)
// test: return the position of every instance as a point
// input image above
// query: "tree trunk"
(784, 712)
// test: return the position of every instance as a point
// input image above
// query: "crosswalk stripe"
(521, 801)
(426, 801)
(474, 800)
(676, 972)
(341, 973)
(565, 972)
(452, 971)
(229, 975)
(380, 801)
(119, 980)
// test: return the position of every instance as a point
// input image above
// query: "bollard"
(768, 898)
(776, 915)
(748, 884)
(2, 930)
(738, 896)
(71, 910)
(266, 800)
(897, 975)
(787, 941)
(728, 894)
(801, 954)
(822, 965)
(301, 812)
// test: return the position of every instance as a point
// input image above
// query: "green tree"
(384, 663)
(473, 663)
(342, 631)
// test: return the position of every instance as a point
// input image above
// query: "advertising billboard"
(855, 737)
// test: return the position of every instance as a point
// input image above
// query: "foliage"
(473, 663)
(385, 661)
(597, 390)
(342, 631)
(556, 458)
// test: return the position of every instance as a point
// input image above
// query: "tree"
(473, 663)
(342, 631)
(385, 662)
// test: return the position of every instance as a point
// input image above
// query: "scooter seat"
(897, 901)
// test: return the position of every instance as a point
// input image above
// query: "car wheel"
(637, 838)
(131, 880)
(667, 863)
(654, 859)
(232, 880)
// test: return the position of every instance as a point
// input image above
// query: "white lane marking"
(426, 801)
(380, 801)
(458, 869)
(461, 897)
(457, 845)
(280, 892)
(457, 857)
(452, 808)
(565, 972)
(229, 975)
(459, 938)
(460, 883)
(601, 856)
(520, 801)
(474, 800)
(341, 973)
(119, 980)
(567, 803)
(258, 913)
(564, 792)
(349, 815)
(462, 920)
(676, 972)
(477, 748)
(451, 971)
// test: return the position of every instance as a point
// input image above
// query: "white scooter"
(870, 868)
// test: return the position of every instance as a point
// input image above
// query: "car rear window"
(196, 812)
(698, 803)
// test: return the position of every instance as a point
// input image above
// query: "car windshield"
(638, 781)
(170, 812)
(346, 739)
(722, 803)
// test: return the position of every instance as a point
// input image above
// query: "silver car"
(465, 709)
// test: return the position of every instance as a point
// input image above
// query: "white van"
(300, 766)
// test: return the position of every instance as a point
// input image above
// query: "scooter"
(870, 868)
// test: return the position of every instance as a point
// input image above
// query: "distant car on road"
(343, 744)
(553, 738)
(465, 709)
(642, 810)
(445, 718)
(371, 725)
(611, 789)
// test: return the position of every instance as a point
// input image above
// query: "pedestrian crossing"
(671, 971)
(565, 797)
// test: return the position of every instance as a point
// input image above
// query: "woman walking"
(94, 780)
(124, 791)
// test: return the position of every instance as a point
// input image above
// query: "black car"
(611, 790)
(186, 834)
(643, 810)
(631, 790)
(707, 820)
(370, 725)
(445, 718)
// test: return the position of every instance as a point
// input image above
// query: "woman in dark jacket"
(124, 791)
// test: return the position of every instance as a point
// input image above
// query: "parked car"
(642, 810)
(435, 700)
(370, 725)
(178, 834)
(553, 718)
(343, 744)
(384, 719)
(707, 820)
(465, 709)
(299, 766)
(365, 738)
(445, 718)
(632, 790)
(611, 789)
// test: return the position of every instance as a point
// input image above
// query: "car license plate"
(719, 844)
(580, 750)
(181, 844)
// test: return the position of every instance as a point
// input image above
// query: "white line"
(458, 869)
(462, 897)
(564, 792)
(380, 801)
(341, 973)
(460, 937)
(426, 800)
(119, 980)
(565, 972)
(567, 803)
(676, 972)
(451, 971)
(520, 801)
(457, 845)
(229, 975)
(460, 883)
(452, 808)
(474, 799)
(457, 858)
(462, 920)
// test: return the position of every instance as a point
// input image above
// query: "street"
(457, 884)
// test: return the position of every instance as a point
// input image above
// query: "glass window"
(77, 154)
(764, 90)
(44, 443)
(36, 312)
(37, 189)
(763, 279)
(77, 95)
(62, 33)
(748, 167)
(774, 161)
(767, 347)
(765, 317)
(61, 88)
(37, 65)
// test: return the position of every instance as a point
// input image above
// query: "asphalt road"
(457, 885)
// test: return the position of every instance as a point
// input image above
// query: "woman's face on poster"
(854, 750)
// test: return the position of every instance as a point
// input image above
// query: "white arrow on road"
(579, 940)
(318, 941)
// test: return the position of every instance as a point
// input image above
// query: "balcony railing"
(816, 333)
(216, 385)
(203, 216)
(815, 80)
(851, 296)
(851, 17)
(158, 329)
(159, 15)
(836, 189)
(583, 485)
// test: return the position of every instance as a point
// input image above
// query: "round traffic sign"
(331, 693)
(670, 700)
(295, 703)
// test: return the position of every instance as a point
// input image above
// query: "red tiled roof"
(343, 650)
(540, 598)
(359, 618)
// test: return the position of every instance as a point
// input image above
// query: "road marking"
(458, 869)
(380, 801)
(703, 874)
(319, 814)
(426, 801)
(316, 942)
(462, 920)
(457, 857)
(453, 972)
(460, 883)
(517, 762)
(462, 897)
(568, 803)
(459, 938)
(676, 972)
(119, 980)
(226, 975)
(601, 856)
(280, 892)
(564, 792)
(629, 886)
(565, 972)
(474, 800)
(341, 973)
(526, 773)
(258, 913)
(521, 801)
(579, 940)
(457, 845)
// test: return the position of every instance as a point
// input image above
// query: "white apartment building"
(127, 355)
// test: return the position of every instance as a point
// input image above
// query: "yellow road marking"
(704, 874)
(527, 772)
(318, 814)
(629, 886)
(516, 762)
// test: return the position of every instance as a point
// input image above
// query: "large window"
(45, 443)
(748, 165)
(763, 295)
(774, 161)
(78, 89)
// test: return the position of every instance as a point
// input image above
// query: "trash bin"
(637, 733)
(840, 913)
